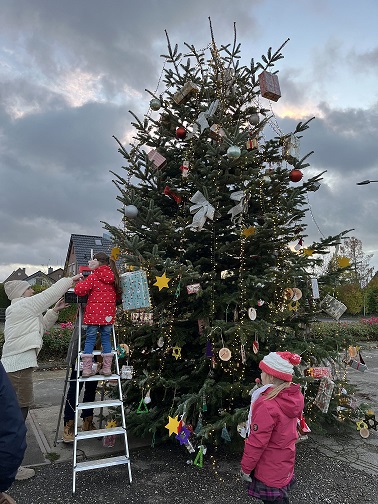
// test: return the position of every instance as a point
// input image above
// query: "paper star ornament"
(172, 425)
(176, 352)
(249, 231)
(343, 262)
(162, 281)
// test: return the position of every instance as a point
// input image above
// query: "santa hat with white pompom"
(280, 364)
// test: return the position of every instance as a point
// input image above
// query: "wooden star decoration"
(370, 420)
(308, 251)
(343, 262)
(172, 425)
(176, 352)
(249, 231)
(162, 281)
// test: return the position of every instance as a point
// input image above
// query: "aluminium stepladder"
(107, 403)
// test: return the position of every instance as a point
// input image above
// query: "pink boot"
(107, 359)
(87, 365)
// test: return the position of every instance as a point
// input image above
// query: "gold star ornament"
(343, 262)
(248, 231)
(162, 281)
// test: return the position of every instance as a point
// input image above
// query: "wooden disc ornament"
(297, 294)
(252, 313)
(224, 354)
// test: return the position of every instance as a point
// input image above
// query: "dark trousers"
(89, 396)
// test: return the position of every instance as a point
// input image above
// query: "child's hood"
(104, 274)
(291, 401)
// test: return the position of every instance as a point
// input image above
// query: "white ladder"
(98, 433)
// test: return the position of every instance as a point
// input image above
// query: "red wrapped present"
(251, 144)
(269, 86)
(319, 372)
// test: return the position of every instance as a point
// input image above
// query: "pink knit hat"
(280, 364)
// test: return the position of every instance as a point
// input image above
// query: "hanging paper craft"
(184, 93)
(225, 435)
(333, 307)
(193, 288)
(162, 281)
(323, 397)
(269, 86)
(358, 364)
(183, 435)
(172, 425)
(251, 144)
(185, 169)
(157, 159)
(168, 192)
(209, 351)
(319, 372)
(252, 313)
(122, 350)
(202, 123)
(255, 345)
(297, 294)
(225, 354)
(315, 288)
(127, 372)
(115, 253)
(176, 352)
(142, 317)
(199, 424)
(135, 292)
(198, 461)
(242, 354)
(142, 408)
(343, 262)
(291, 148)
(249, 231)
(242, 429)
(237, 210)
(216, 132)
(370, 420)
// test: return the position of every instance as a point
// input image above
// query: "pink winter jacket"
(101, 305)
(270, 447)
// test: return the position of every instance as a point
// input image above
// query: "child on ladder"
(102, 287)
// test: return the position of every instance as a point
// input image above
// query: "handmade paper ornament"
(319, 372)
(184, 93)
(288, 294)
(202, 122)
(142, 317)
(254, 119)
(297, 294)
(183, 435)
(370, 420)
(130, 211)
(155, 104)
(209, 350)
(359, 365)
(147, 397)
(176, 352)
(226, 80)
(237, 210)
(217, 133)
(127, 372)
(181, 133)
(123, 350)
(324, 395)
(343, 262)
(269, 86)
(142, 408)
(193, 288)
(135, 293)
(115, 253)
(162, 281)
(315, 288)
(260, 302)
(290, 150)
(225, 435)
(157, 159)
(295, 175)
(198, 461)
(160, 342)
(242, 429)
(234, 152)
(202, 210)
(332, 306)
(242, 354)
(185, 169)
(224, 354)
(247, 232)
(252, 314)
(172, 425)
(255, 345)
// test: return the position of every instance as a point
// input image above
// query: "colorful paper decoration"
(251, 144)
(115, 253)
(142, 408)
(193, 288)
(176, 352)
(162, 281)
(168, 192)
(184, 93)
(135, 293)
(332, 306)
(142, 317)
(198, 461)
(202, 123)
(290, 150)
(370, 420)
(225, 435)
(172, 425)
(315, 288)
(127, 372)
(224, 354)
(323, 397)
(183, 435)
(319, 372)
(185, 169)
(249, 231)
(269, 86)
(158, 160)
(343, 262)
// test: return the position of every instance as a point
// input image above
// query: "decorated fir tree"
(213, 209)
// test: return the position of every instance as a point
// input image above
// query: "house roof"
(39, 274)
(18, 274)
(83, 244)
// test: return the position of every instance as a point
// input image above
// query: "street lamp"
(364, 182)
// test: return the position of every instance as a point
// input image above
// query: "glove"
(245, 476)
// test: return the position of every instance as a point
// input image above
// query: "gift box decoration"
(157, 159)
(269, 86)
(319, 372)
(142, 318)
(183, 94)
(290, 150)
(332, 306)
(251, 144)
(135, 293)
(193, 288)
(216, 132)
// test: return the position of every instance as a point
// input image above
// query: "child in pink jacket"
(269, 451)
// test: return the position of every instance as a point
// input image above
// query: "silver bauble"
(233, 152)
(131, 211)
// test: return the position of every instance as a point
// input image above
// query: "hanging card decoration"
(135, 293)
(333, 307)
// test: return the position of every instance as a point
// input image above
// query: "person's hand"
(245, 477)
(60, 305)
(77, 278)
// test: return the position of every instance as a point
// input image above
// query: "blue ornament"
(233, 152)
(155, 104)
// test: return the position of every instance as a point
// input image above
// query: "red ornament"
(295, 175)
(181, 133)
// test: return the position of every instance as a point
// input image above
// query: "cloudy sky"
(70, 72)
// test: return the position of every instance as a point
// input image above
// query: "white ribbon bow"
(202, 123)
(202, 210)
(239, 208)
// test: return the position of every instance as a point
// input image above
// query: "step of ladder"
(106, 403)
(97, 352)
(100, 433)
(99, 377)
(105, 462)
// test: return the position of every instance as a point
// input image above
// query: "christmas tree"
(213, 209)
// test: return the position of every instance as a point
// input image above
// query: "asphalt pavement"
(338, 469)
